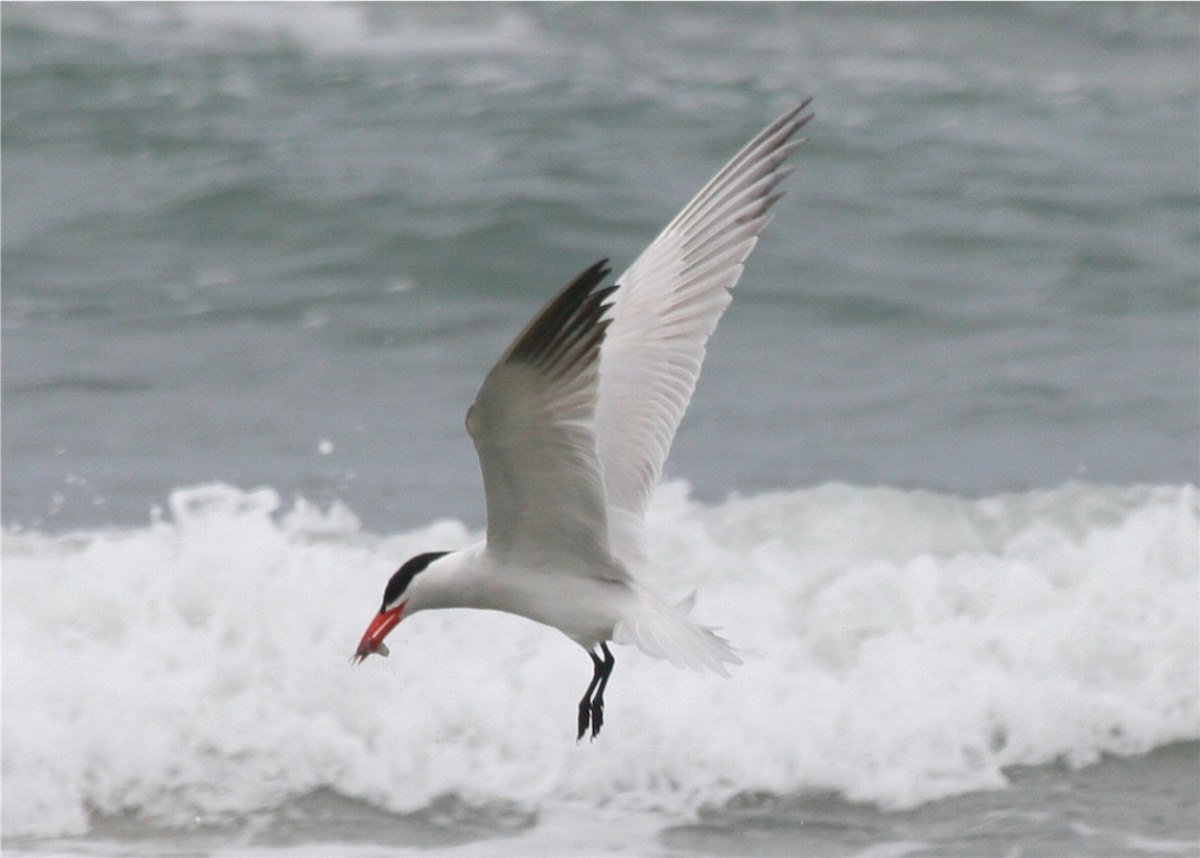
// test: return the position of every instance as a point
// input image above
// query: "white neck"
(457, 580)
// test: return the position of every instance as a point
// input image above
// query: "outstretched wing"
(668, 303)
(532, 424)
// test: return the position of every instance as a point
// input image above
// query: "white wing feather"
(666, 306)
(532, 424)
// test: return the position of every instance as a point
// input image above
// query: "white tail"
(664, 632)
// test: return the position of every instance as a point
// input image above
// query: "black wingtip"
(570, 327)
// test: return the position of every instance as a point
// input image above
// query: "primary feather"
(668, 303)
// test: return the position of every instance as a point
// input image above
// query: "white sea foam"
(900, 646)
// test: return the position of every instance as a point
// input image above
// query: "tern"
(572, 427)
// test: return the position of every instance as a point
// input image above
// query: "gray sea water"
(275, 245)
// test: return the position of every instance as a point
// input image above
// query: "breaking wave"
(900, 646)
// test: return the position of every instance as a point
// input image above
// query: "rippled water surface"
(940, 467)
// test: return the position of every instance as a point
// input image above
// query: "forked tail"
(662, 631)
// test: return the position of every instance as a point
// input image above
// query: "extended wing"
(532, 424)
(668, 303)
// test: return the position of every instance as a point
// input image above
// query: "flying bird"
(572, 427)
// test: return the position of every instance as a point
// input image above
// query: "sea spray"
(900, 646)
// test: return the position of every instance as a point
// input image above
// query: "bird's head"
(397, 597)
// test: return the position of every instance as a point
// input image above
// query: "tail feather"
(662, 631)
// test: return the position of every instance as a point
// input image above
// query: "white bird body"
(567, 594)
(557, 592)
(572, 427)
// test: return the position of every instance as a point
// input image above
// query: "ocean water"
(938, 484)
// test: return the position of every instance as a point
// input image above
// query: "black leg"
(598, 699)
(585, 705)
